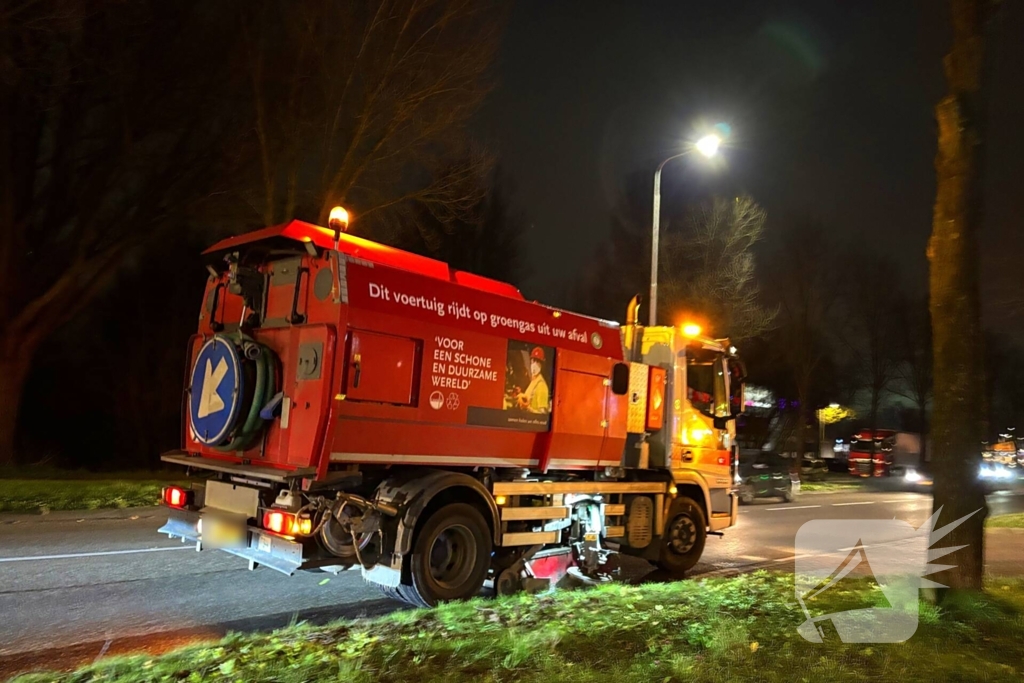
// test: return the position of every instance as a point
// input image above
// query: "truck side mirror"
(620, 379)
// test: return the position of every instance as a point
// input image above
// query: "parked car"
(813, 469)
(766, 476)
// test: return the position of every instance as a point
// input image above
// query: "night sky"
(830, 103)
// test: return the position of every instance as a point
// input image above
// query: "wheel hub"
(452, 556)
(682, 535)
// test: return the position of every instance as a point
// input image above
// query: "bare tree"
(365, 104)
(874, 304)
(104, 141)
(709, 269)
(806, 285)
(955, 310)
(914, 372)
(486, 241)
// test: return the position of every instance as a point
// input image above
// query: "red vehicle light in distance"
(287, 523)
(177, 497)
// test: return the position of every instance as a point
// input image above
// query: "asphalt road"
(74, 587)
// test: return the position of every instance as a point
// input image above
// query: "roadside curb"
(75, 515)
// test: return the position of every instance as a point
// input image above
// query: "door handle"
(356, 371)
(687, 456)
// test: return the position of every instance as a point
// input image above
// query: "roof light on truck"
(691, 329)
(338, 221)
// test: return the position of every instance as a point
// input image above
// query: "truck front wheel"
(683, 541)
(451, 556)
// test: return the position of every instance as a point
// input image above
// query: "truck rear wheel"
(683, 541)
(451, 556)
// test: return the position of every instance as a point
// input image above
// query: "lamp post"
(708, 146)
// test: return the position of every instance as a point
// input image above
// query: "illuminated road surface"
(108, 582)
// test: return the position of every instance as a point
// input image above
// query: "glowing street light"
(708, 147)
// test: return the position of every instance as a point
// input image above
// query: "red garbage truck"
(351, 405)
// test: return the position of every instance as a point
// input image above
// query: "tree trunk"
(952, 252)
(873, 425)
(14, 367)
(923, 419)
(801, 429)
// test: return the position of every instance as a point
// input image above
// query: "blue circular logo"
(215, 394)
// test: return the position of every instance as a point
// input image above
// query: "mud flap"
(383, 575)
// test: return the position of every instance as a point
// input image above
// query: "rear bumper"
(262, 548)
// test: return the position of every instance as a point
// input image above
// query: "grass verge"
(827, 486)
(33, 495)
(1011, 521)
(723, 629)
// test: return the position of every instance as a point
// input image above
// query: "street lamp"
(708, 146)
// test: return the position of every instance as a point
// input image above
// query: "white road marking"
(852, 547)
(863, 502)
(102, 553)
(785, 559)
(795, 507)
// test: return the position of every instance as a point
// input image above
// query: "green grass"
(722, 629)
(31, 489)
(828, 486)
(1012, 521)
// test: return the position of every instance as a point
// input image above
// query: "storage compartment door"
(381, 368)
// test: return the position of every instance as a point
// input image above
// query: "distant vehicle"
(997, 476)
(889, 447)
(912, 477)
(1004, 453)
(813, 469)
(840, 460)
(766, 476)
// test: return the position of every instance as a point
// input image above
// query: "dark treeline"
(819, 319)
(132, 135)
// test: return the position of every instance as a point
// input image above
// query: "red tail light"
(277, 521)
(287, 523)
(177, 497)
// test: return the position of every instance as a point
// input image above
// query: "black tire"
(451, 557)
(683, 541)
(400, 593)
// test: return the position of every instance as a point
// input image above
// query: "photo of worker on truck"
(528, 366)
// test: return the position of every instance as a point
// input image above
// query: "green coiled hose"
(265, 366)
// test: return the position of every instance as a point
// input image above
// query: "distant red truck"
(890, 447)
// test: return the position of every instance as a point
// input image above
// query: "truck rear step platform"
(268, 473)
